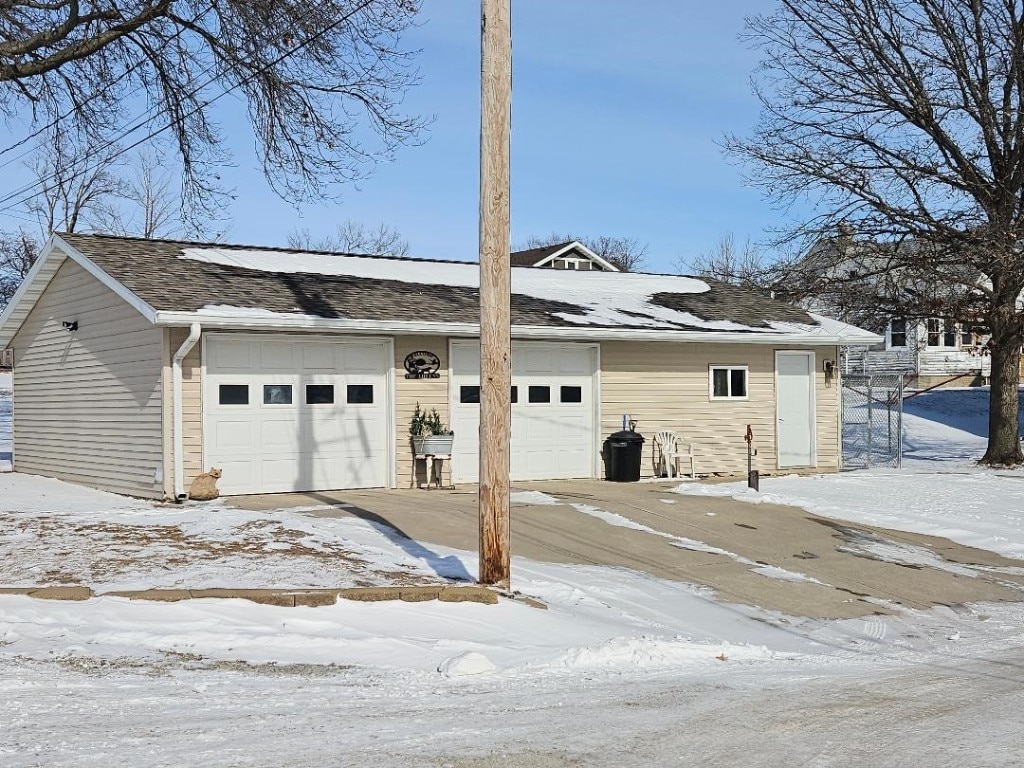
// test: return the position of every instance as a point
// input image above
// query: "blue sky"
(617, 108)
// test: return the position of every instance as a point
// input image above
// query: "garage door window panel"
(319, 394)
(359, 394)
(540, 394)
(728, 382)
(571, 394)
(277, 394)
(233, 394)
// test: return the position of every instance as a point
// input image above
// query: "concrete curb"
(288, 598)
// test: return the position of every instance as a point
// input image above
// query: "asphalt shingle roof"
(155, 271)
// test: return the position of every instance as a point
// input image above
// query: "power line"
(294, 49)
(53, 123)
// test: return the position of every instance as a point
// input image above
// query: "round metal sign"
(422, 365)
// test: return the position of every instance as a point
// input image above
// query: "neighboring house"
(931, 351)
(141, 363)
(570, 255)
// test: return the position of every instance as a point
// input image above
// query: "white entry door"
(553, 410)
(291, 413)
(794, 420)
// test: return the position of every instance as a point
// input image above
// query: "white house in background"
(139, 364)
(930, 352)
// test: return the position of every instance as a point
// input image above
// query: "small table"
(435, 468)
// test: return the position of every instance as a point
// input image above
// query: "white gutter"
(179, 421)
(286, 322)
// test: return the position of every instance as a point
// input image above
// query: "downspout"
(179, 421)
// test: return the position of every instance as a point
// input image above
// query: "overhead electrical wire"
(127, 132)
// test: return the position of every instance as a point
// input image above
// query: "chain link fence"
(872, 421)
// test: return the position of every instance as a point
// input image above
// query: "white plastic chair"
(668, 454)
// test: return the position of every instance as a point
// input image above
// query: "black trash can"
(622, 456)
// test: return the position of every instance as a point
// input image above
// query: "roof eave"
(31, 288)
(54, 254)
(283, 322)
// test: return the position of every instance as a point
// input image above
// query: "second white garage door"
(553, 410)
(287, 413)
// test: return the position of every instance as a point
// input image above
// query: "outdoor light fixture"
(70, 325)
(830, 370)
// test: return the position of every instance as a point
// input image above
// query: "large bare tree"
(322, 81)
(148, 204)
(905, 118)
(626, 253)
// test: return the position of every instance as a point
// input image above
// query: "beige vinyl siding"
(666, 386)
(827, 399)
(429, 393)
(192, 408)
(88, 403)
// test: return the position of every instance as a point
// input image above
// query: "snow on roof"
(604, 299)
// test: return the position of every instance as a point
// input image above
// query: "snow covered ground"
(940, 491)
(621, 669)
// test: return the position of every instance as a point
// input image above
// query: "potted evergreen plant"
(429, 434)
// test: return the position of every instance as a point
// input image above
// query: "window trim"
(729, 398)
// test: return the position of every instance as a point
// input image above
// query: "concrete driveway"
(775, 557)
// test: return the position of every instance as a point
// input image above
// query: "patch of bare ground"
(51, 549)
(172, 661)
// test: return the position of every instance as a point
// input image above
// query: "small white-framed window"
(898, 332)
(727, 382)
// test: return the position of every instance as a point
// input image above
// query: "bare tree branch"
(323, 81)
(18, 252)
(353, 237)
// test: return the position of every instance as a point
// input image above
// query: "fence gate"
(872, 421)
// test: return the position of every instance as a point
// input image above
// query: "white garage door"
(286, 413)
(553, 403)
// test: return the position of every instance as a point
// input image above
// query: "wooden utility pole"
(495, 289)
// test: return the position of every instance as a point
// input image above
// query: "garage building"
(142, 363)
